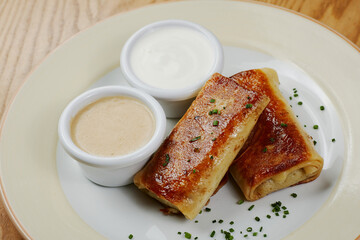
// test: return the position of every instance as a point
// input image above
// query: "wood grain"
(30, 29)
(341, 15)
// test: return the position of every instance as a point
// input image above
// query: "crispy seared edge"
(304, 172)
(212, 176)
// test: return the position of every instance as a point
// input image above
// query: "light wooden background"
(30, 29)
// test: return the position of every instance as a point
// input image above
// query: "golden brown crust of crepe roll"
(189, 165)
(279, 153)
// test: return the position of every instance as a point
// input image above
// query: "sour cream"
(172, 57)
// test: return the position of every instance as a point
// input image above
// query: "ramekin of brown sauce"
(112, 132)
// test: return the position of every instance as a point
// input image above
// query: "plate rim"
(7, 205)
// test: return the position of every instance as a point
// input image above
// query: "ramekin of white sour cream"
(171, 60)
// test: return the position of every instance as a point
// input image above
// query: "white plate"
(141, 213)
(32, 190)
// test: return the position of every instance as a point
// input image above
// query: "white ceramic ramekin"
(119, 170)
(174, 101)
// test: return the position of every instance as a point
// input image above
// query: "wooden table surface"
(30, 29)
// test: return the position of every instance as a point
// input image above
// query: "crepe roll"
(279, 153)
(193, 159)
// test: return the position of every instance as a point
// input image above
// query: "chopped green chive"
(251, 207)
(232, 222)
(305, 125)
(215, 111)
(228, 235)
(194, 170)
(277, 214)
(283, 124)
(264, 150)
(276, 207)
(245, 235)
(131, 236)
(255, 234)
(179, 233)
(214, 221)
(300, 103)
(268, 216)
(188, 160)
(231, 230)
(207, 209)
(290, 98)
(195, 139)
(213, 139)
(315, 142)
(211, 157)
(167, 160)
(272, 140)
(221, 221)
(249, 229)
(212, 234)
(196, 238)
(187, 235)
(333, 140)
(286, 212)
(248, 97)
(261, 228)
(283, 207)
(284, 216)
(241, 201)
(200, 212)
(212, 100)
(294, 195)
(257, 219)
(296, 95)
(265, 235)
(316, 127)
(322, 108)
(215, 123)
(249, 105)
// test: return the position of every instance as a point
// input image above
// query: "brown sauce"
(112, 126)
